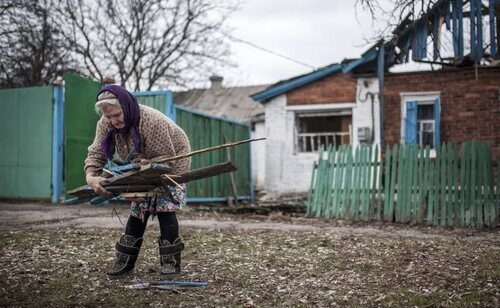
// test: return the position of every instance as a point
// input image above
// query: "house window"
(421, 120)
(425, 125)
(314, 129)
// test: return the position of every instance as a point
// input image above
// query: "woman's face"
(114, 114)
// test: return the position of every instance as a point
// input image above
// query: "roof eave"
(293, 84)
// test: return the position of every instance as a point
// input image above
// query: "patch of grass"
(474, 297)
(414, 298)
(67, 267)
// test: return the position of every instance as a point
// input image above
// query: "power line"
(235, 39)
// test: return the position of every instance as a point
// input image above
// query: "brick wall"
(337, 88)
(470, 107)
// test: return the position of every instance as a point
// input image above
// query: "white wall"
(258, 155)
(362, 112)
(285, 171)
(289, 172)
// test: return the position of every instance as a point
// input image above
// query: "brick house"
(338, 107)
(469, 102)
(302, 113)
(345, 103)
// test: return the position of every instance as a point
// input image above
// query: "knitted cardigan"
(159, 135)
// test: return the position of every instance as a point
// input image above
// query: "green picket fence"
(454, 188)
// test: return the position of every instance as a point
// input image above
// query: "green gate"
(80, 121)
(26, 134)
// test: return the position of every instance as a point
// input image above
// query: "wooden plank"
(481, 183)
(348, 183)
(354, 210)
(202, 173)
(442, 186)
(473, 178)
(336, 170)
(424, 203)
(362, 185)
(380, 185)
(456, 201)
(394, 168)
(180, 178)
(368, 180)
(400, 184)
(147, 174)
(325, 187)
(430, 198)
(463, 183)
(320, 183)
(338, 185)
(86, 190)
(419, 192)
(332, 153)
(413, 176)
(166, 158)
(387, 184)
(490, 190)
(437, 165)
(449, 186)
(417, 183)
(375, 211)
(343, 183)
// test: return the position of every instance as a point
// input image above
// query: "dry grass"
(66, 267)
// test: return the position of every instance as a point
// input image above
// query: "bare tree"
(145, 43)
(33, 50)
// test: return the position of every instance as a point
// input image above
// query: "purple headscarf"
(131, 115)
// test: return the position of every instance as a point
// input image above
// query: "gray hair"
(105, 99)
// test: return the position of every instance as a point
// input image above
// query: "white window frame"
(340, 108)
(423, 98)
(421, 130)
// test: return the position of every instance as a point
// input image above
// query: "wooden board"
(150, 177)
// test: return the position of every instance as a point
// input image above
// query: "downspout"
(380, 76)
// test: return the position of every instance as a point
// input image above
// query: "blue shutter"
(411, 122)
(437, 122)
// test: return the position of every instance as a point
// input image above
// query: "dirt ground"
(46, 216)
(55, 255)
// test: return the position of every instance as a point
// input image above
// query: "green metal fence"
(454, 188)
(80, 120)
(205, 131)
(26, 134)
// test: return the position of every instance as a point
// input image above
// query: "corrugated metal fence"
(205, 131)
(45, 135)
(26, 134)
(456, 188)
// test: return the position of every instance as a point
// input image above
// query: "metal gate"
(26, 134)
(80, 120)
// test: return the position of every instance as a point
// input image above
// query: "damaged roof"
(284, 86)
(232, 103)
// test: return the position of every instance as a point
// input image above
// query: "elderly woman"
(133, 132)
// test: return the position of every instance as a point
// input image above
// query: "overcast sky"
(316, 32)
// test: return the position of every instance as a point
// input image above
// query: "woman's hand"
(95, 183)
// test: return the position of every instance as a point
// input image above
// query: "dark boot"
(127, 250)
(170, 257)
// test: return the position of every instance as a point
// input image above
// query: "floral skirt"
(160, 203)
